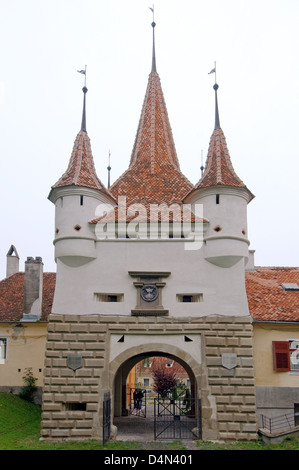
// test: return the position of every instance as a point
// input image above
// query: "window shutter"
(281, 355)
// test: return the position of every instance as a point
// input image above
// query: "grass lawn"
(20, 430)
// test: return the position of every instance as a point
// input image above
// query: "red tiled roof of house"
(268, 301)
(12, 296)
(154, 174)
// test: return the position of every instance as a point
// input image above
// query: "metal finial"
(154, 67)
(83, 124)
(217, 120)
(202, 167)
(85, 90)
(109, 169)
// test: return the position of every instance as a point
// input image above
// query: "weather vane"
(84, 73)
(153, 10)
(213, 71)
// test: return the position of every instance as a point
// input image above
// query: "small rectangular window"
(146, 382)
(217, 198)
(81, 200)
(75, 406)
(105, 297)
(186, 298)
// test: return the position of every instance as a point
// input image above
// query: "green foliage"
(29, 387)
(20, 430)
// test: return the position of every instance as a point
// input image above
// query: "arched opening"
(120, 380)
(128, 377)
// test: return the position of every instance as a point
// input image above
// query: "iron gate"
(177, 418)
(106, 417)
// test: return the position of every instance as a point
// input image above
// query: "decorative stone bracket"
(149, 293)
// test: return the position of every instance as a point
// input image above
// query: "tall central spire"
(154, 145)
(154, 174)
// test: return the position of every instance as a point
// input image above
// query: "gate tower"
(133, 280)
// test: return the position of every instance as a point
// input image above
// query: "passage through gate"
(137, 402)
(177, 418)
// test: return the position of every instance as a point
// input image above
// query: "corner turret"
(224, 197)
(76, 196)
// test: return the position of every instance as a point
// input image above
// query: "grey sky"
(44, 43)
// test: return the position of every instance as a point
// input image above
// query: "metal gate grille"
(177, 419)
(106, 417)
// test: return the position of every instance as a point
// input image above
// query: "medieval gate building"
(152, 265)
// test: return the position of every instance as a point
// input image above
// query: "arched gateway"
(153, 264)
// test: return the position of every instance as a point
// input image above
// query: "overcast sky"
(44, 43)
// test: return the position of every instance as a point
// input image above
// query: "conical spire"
(154, 174)
(81, 170)
(154, 143)
(219, 169)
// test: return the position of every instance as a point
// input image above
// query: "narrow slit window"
(81, 200)
(187, 298)
(217, 198)
(103, 297)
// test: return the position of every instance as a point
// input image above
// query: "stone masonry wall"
(72, 399)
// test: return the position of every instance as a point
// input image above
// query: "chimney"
(33, 289)
(12, 261)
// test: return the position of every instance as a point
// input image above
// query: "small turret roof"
(219, 169)
(81, 170)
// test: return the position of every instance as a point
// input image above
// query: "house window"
(169, 364)
(3, 349)
(286, 355)
(146, 382)
(147, 362)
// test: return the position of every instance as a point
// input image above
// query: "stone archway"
(122, 364)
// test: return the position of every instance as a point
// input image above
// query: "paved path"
(136, 428)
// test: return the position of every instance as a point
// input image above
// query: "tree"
(164, 380)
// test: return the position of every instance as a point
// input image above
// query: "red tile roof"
(12, 296)
(154, 175)
(268, 301)
(81, 170)
(219, 169)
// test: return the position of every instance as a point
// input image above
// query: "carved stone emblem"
(229, 360)
(149, 293)
(74, 361)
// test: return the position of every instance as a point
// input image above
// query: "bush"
(29, 388)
